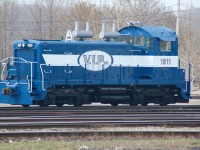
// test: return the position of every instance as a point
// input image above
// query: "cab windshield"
(148, 43)
(128, 39)
(139, 40)
(136, 40)
(125, 38)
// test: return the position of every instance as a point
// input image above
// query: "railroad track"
(98, 116)
(54, 111)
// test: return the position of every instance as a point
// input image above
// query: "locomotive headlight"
(19, 44)
(30, 45)
(23, 45)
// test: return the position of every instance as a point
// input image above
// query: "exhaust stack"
(81, 34)
(108, 35)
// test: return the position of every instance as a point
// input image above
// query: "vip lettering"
(94, 59)
(87, 59)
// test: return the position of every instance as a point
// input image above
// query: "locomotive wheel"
(163, 104)
(114, 103)
(133, 103)
(44, 105)
(77, 104)
(25, 106)
(165, 100)
(77, 101)
(144, 103)
(59, 105)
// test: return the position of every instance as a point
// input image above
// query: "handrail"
(13, 86)
(184, 61)
(186, 67)
(42, 76)
(19, 60)
(3, 70)
(31, 77)
(28, 83)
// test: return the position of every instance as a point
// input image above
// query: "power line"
(190, 19)
(186, 5)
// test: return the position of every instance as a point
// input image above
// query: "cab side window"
(148, 43)
(127, 39)
(139, 40)
(165, 45)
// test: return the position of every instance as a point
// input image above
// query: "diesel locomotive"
(135, 65)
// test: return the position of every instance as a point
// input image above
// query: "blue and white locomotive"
(140, 66)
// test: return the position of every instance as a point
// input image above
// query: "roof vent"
(108, 35)
(81, 34)
(68, 36)
(132, 23)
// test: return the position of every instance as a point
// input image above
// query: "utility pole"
(178, 17)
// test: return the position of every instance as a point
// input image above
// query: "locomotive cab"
(161, 45)
(154, 40)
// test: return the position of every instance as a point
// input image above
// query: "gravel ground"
(146, 128)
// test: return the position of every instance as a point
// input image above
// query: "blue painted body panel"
(77, 75)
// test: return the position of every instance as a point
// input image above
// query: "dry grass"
(91, 144)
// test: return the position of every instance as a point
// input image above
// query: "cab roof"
(160, 32)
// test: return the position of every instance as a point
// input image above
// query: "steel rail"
(55, 114)
(105, 116)
(103, 107)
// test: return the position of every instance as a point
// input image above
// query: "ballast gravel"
(148, 128)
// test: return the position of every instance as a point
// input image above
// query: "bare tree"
(36, 12)
(189, 41)
(145, 11)
(8, 11)
(53, 17)
(86, 12)
(48, 17)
